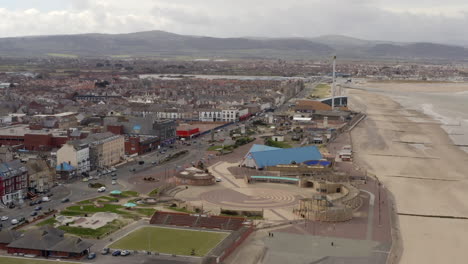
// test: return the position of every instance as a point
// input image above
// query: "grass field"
(8, 260)
(71, 56)
(321, 91)
(170, 241)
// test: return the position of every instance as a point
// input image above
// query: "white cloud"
(398, 20)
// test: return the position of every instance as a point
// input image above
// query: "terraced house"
(14, 180)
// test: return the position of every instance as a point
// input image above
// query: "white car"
(219, 179)
(4, 218)
(102, 189)
(44, 199)
(114, 182)
(14, 221)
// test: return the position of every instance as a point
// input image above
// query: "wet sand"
(416, 160)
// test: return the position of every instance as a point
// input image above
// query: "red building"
(14, 179)
(187, 131)
(30, 139)
(135, 144)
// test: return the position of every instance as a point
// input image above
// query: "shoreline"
(383, 128)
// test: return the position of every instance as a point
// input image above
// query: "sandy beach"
(418, 162)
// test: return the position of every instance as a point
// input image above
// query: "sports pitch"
(170, 241)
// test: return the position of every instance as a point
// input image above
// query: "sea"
(450, 109)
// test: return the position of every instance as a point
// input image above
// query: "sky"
(395, 20)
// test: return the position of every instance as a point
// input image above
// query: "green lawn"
(171, 241)
(153, 193)
(145, 211)
(321, 91)
(277, 144)
(9, 260)
(51, 221)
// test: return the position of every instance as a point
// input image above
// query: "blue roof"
(64, 167)
(286, 156)
(257, 148)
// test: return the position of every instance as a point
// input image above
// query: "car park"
(105, 251)
(116, 253)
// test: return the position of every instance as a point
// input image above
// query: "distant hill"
(160, 43)
(154, 43)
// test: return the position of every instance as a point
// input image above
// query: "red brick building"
(135, 144)
(14, 179)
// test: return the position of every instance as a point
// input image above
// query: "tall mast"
(333, 83)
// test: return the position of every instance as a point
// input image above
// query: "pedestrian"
(332, 244)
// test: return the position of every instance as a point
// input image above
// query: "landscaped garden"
(72, 219)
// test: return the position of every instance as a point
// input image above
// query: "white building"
(230, 115)
(210, 115)
(75, 154)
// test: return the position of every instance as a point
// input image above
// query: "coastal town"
(198, 161)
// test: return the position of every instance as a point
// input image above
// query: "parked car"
(45, 199)
(219, 179)
(154, 162)
(105, 251)
(102, 189)
(116, 253)
(65, 200)
(14, 222)
(85, 179)
(91, 255)
(132, 169)
(33, 213)
(4, 218)
(125, 253)
(11, 206)
(32, 203)
(113, 169)
(38, 208)
(114, 182)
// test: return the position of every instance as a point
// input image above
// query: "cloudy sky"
(398, 20)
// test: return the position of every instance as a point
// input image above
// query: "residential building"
(14, 180)
(75, 153)
(105, 149)
(41, 175)
(211, 115)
